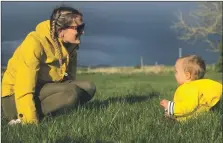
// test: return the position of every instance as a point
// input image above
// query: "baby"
(194, 94)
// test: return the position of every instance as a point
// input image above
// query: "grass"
(125, 109)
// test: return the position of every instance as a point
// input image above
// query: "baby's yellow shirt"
(194, 97)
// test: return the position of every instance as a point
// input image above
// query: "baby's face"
(180, 75)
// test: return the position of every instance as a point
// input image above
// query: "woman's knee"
(92, 88)
(9, 107)
(73, 92)
(87, 86)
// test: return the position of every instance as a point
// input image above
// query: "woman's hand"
(14, 122)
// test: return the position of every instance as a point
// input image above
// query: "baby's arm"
(166, 104)
(185, 102)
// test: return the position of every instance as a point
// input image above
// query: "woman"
(40, 76)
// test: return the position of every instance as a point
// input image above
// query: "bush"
(137, 67)
(219, 63)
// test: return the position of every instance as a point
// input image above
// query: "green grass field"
(125, 109)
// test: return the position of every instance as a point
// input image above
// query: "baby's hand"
(164, 103)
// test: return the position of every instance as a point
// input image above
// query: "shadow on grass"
(102, 141)
(218, 107)
(79, 140)
(70, 140)
(103, 104)
(128, 99)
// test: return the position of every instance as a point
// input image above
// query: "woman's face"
(73, 32)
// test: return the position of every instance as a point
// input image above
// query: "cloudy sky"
(116, 34)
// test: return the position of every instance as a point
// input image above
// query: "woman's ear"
(60, 33)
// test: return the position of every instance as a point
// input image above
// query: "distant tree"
(137, 66)
(203, 24)
(219, 66)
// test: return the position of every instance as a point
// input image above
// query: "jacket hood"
(43, 29)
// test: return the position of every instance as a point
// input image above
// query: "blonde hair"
(61, 18)
(195, 65)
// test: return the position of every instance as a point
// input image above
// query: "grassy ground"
(124, 109)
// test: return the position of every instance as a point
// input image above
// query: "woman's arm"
(28, 66)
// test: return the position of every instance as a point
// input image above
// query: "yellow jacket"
(34, 61)
(194, 97)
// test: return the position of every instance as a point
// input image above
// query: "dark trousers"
(52, 97)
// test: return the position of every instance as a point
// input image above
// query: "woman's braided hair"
(61, 18)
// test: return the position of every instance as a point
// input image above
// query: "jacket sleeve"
(185, 102)
(28, 66)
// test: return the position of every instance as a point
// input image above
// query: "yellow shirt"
(194, 97)
(34, 61)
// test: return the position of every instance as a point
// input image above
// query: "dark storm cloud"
(117, 33)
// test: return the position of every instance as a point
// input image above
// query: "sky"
(116, 33)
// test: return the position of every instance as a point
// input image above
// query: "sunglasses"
(79, 28)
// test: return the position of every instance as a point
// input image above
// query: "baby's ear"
(188, 75)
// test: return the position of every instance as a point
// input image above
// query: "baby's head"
(189, 68)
